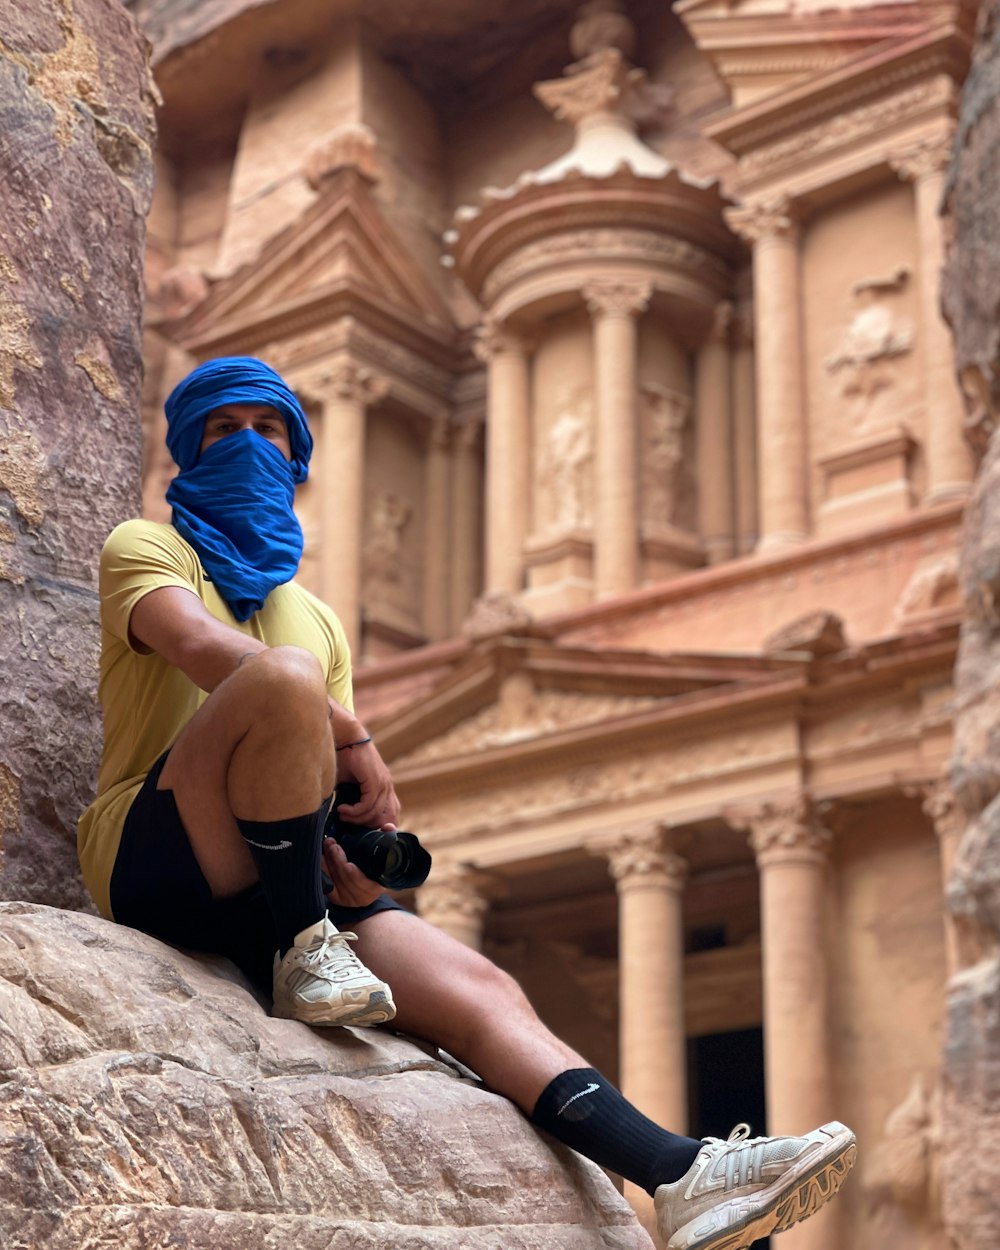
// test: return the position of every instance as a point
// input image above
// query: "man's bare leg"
(457, 999)
(258, 748)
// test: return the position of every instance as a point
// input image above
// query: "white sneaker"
(320, 980)
(747, 1187)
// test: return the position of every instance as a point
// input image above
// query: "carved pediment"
(520, 691)
(341, 245)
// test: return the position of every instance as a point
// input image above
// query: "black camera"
(392, 858)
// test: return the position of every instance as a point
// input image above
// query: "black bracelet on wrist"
(360, 743)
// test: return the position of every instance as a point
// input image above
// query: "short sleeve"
(140, 556)
(339, 685)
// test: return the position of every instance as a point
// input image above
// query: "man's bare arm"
(175, 623)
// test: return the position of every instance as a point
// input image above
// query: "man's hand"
(351, 888)
(378, 804)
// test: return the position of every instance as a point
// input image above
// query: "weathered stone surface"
(147, 1099)
(75, 132)
(972, 1052)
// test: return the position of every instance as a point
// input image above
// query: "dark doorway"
(726, 1086)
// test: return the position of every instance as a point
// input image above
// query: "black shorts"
(157, 887)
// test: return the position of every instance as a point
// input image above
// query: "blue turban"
(234, 502)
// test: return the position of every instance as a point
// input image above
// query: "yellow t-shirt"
(146, 701)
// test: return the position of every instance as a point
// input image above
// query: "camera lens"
(393, 858)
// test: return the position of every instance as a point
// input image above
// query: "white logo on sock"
(591, 1089)
(270, 846)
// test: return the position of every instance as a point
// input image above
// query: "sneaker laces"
(743, 1155)
(331, 957)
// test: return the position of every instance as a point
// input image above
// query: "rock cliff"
(972, 302)
(149, 1100)
(76, 122)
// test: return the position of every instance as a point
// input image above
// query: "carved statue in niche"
(664, 417)
(876, 336)
(564, 477)
(387, 518)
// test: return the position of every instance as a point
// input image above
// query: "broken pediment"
(341, 246)
(519, 691)
(761, 46)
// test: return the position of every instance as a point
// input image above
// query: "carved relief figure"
(564, 476)
(876, 336)
(387, 518)
(665, 414)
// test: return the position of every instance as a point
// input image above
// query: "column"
(949, 819)
(456, 899)
(615, 308)
(465, 520)
(744, 434)
(714, 438)
(437, 536)
(508, 454)
(649, 879)
(792, 852)
(949, 461)
(781, 430)
(346, 391)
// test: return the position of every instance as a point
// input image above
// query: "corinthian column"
(714, 430)
(615, 308)
(465, 491)
(437, 538)
(792, 852)
(508, 458)
(781, 438)
(456, 900)
(949, 462)
(649, 879)
(345, 391)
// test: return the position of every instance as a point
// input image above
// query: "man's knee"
(283, 673)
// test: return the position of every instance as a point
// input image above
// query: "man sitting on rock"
(226, 691)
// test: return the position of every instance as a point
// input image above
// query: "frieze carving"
(843, 129)
(663, 416)
(649, 247)
(617, 298)
(763, 219)
(876, 336)
(564, 476)
(941, 807)
(643, 856)
(783, 830)
(933, 587)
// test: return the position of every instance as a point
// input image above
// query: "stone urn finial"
(602, 24)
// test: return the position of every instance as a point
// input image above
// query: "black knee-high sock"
(585, 1112)
(288, 854)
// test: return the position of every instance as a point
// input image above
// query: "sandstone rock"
(149, 1100)
(972, 303)
(75, 133)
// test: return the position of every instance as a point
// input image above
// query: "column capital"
(930, 155)
(941, 807)
(457, 890)
(346, 379)
(617, 297)
(764, 219)
(722, 325)
(494, 337)
(784, 830)
(642, 856)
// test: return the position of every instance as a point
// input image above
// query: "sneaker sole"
(793, 1198)
(379, 1009)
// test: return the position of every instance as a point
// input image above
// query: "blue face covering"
(233, 502)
